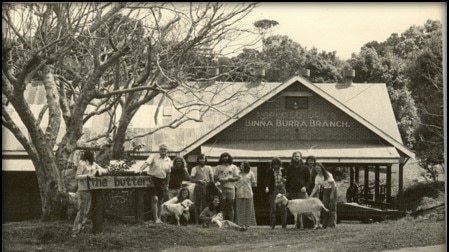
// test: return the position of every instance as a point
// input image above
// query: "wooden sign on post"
(99, 184)
(119, 182)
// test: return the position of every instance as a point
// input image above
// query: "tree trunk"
(68, 143)
(117, 150)
(54, 201)
(47, 172)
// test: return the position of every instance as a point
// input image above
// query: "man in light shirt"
(227, 174)
(159, 169)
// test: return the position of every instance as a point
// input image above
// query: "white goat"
(310, 206)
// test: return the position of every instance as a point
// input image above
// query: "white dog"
(175, 210)
(310, 206)
(217, 220)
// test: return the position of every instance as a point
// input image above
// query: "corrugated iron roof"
(369, 101)
(343, 102)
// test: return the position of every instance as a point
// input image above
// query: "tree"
(411, 66)
(264, 26)
(324, 67)
(103, 56)
(283, 56)
(390, 69)
(426, 84)
(367, 65)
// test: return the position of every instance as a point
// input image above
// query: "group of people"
(299, 181)
(234, 183)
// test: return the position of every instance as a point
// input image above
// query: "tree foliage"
(411, 66)
(265, 24)
(426, 84)
(283, 58)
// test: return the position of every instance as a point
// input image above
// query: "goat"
(310, 206)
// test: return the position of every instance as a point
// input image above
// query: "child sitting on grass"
(212, 215)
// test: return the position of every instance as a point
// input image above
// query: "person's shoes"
(243, 228)
(158, 221)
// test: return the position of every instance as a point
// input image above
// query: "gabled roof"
(356, 104)
(369, 104)
(370, 101)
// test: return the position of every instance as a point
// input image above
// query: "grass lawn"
(55, 236)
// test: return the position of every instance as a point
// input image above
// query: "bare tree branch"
(124, 91)
(41, 114)
(11, 126)
(101, 111)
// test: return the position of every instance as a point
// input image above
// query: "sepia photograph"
(224, 126)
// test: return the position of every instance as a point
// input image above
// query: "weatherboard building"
(346, 125)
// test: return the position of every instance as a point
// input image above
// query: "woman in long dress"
(325, 180)
(244, 196)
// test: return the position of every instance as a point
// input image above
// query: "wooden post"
(388, 196)
(139, 205)
(351, 176)
(356, 175)
(98, 211)
(376, 184)
(401, 179)
(366, 181)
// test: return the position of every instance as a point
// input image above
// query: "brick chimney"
(262, 72)
(348, 76)
(304, 72)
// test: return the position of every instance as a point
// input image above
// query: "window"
(300, 102)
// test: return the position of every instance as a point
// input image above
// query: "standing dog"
(175, 209)
(310, 206)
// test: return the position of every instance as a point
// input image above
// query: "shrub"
(412, 196)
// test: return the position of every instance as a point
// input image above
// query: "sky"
(344, 27)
